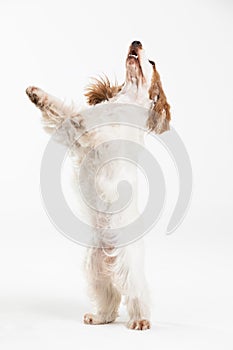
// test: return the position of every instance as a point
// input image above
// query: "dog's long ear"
(159, 116)
(101, 90)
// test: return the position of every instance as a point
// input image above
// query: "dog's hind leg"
(136, 292)
(102, 291)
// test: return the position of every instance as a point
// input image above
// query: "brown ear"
(159, 116)
(101, 90)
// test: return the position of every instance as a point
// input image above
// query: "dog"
(112, 272)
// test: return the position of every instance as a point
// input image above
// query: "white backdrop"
(58, 46)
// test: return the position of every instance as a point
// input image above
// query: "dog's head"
(139, 69)
(140, 72)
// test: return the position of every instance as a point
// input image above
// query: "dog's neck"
(134, 93)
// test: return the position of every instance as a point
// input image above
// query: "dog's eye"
(152, 62)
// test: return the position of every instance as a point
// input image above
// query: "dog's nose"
(136, 43)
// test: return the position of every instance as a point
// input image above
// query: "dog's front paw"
(139, 325)
(37, 96)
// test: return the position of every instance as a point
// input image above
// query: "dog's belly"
(111, 173)
(122, 165)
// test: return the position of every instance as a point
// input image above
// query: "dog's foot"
(95, 319)
(139, 325)
(37, 96)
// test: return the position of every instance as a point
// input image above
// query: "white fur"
(111, 272)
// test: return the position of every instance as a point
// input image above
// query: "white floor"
(55, 324)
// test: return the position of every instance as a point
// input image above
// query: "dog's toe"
(37, 96)
(99, 319)
(29, 91)
(139, 325)
(88, 319)
(32, 93)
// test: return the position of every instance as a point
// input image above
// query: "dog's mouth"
(136, 65)
(133, 62)
(133, 54)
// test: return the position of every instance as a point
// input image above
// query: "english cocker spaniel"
(112, 272)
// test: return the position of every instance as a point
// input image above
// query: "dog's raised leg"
(54, 111)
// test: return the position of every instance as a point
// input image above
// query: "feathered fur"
(101, 90)
(159, 116)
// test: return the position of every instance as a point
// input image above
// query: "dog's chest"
(132, 94)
